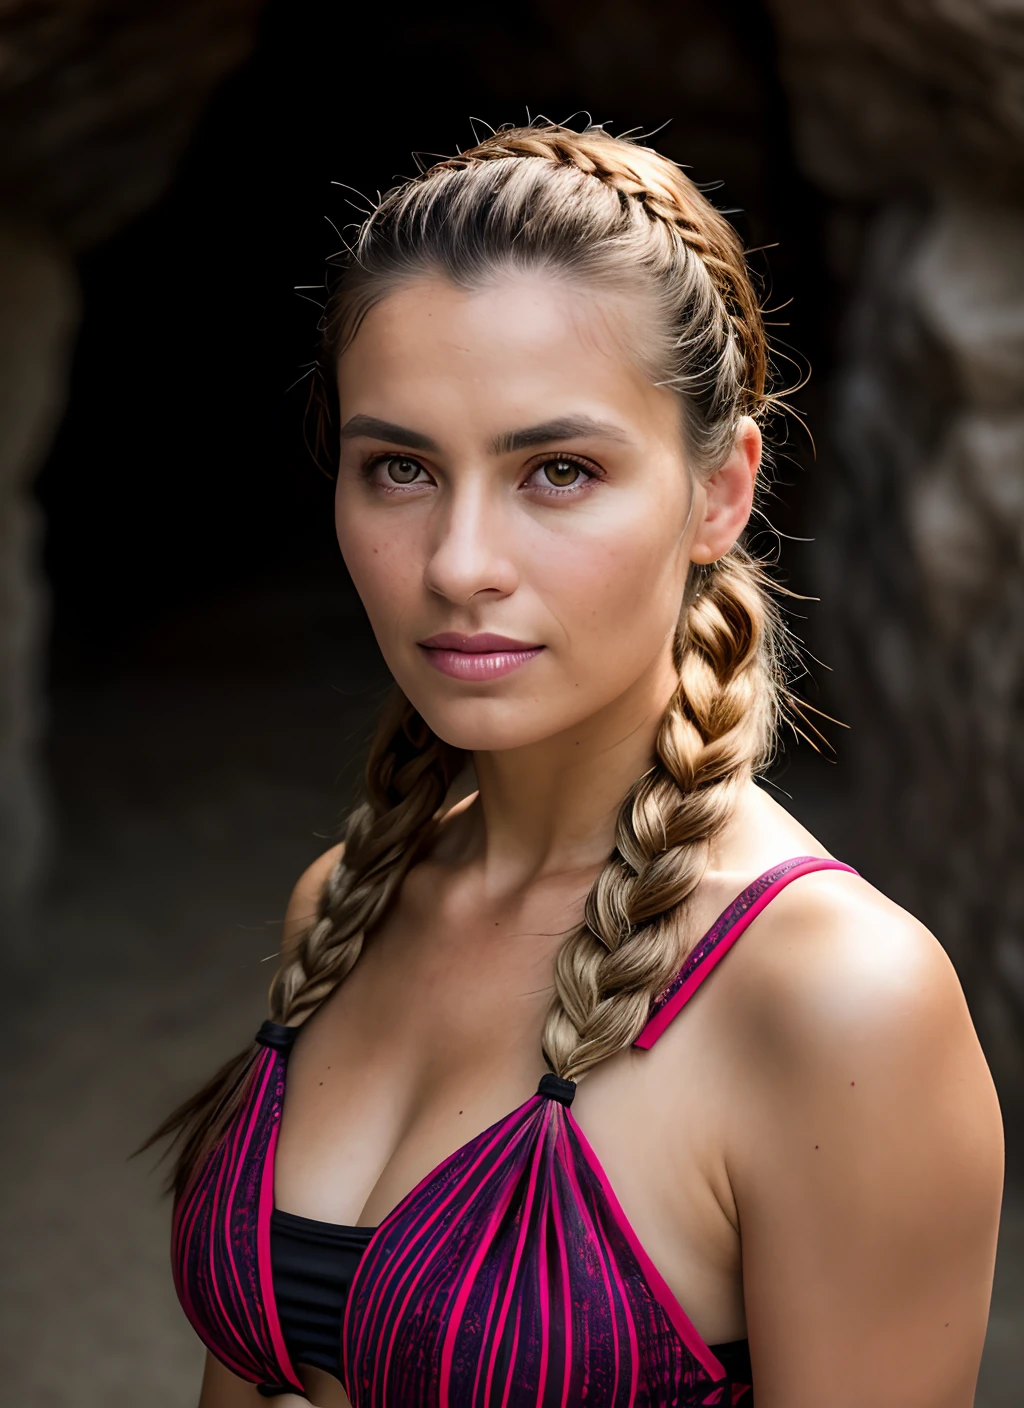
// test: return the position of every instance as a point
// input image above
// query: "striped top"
(509, 1277)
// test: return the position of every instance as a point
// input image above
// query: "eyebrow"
(376, 429)
(563, 428)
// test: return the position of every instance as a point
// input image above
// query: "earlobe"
(729, 496)
(702, 553)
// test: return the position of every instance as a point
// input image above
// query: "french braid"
(607, 213)
(719, 726)
(664, 193)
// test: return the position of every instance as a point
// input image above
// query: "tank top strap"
(720, 938)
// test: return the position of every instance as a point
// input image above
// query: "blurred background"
(186, 678)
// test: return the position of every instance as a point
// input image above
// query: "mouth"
(479, 657)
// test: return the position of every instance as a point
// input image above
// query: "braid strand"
(715, 733)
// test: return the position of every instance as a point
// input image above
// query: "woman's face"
(506, 471)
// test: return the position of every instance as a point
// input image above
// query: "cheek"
(384, 569)
(614, 594)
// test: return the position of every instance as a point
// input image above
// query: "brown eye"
(400, 470)
(561, 474)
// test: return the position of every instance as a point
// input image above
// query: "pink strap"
(750, 904)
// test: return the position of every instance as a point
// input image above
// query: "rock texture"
(909, 114)
(893, 95)
(39, 307)
(99, 97)
(97, 100)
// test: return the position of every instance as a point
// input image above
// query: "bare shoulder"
(833, 961)
(863, 1146)
(851, 1032)
(305, 898)
(831, 956)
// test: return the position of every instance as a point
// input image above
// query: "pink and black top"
(509, 1277)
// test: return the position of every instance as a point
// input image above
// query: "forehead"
(524, 344)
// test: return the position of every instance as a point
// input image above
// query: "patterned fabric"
(509, 1277)
(720, 938)
(220, 1237)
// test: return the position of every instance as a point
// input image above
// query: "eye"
(399, 469)
(560, 475)
(393, 472)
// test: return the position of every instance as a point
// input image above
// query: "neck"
(550, 807)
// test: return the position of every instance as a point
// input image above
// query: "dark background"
(199, 673)
(180, 466)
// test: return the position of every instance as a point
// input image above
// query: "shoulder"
(863, 1147)
(832, 958)
(849, 1019)
(305, 897)
(830, 952)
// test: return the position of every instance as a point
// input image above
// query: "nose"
(471, 547)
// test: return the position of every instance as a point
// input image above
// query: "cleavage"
(379, 1091)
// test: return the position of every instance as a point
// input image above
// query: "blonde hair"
(604, 212)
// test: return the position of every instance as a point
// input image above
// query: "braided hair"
(600, 212)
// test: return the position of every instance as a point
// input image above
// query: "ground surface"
(194, 782)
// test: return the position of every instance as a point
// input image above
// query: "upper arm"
(866, 1159)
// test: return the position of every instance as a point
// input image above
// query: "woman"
(774, 1176)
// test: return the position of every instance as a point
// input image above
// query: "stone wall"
(97, 101)
(909, 115)
(38, 307)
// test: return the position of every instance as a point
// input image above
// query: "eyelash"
(551, 491)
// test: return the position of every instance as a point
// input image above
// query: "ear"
(729, 495)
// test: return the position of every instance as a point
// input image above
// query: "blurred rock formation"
(97, 101)
(38, 306)
(909, 114)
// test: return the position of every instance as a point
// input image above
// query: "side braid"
(721, 722)
(408, 774)
(715, 732)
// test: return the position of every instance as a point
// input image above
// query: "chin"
(489, 725)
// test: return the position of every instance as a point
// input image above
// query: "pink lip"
(476, 645)
(480, 657)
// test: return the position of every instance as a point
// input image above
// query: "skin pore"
(507, 467)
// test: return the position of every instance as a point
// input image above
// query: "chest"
(432, 1040)
(496, 1215)
(435, 1033)
(543, 1249)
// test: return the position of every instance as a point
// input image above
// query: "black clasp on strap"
(555, 1088)
(278, 1038)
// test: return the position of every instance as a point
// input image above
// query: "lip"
(484, 644)
(480, 657)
